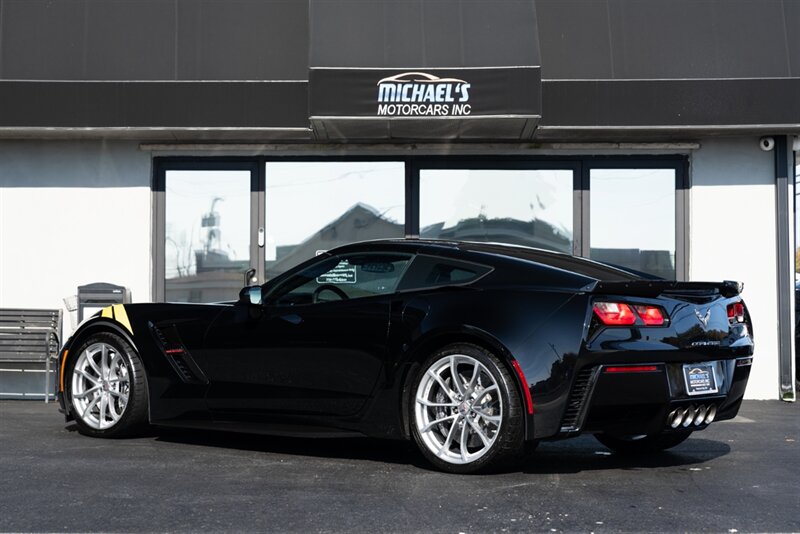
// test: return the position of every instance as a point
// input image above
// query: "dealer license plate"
(700, 378)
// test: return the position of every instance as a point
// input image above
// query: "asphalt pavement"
(736, 476)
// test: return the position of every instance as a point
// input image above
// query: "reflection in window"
(316, 206)
(523, 207)
(207, 237)
(632, 219)
(342, 278)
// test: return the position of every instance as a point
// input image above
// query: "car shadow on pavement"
(356, 448)
(557, 457)
(569, 456)
(585, 454)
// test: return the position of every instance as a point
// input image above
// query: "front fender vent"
(177, 355)
(577, 404)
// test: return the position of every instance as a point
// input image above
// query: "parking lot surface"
(736, 476)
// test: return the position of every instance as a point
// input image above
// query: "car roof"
(471, 249)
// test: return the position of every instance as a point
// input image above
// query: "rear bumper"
(632, 403)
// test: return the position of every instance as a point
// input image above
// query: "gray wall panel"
(442, 33)
(622, 39)
(574, 39)
(154, 40)
(791, 27)
(405, 36)
(507, 33)
(243, 40)
(41, 40)
(130, 41)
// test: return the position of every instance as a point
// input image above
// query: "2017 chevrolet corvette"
(470, 350)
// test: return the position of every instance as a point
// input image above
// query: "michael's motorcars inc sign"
(347, 103)
(415, 94)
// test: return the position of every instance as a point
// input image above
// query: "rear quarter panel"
(542, 329)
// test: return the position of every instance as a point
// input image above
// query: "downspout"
(784, 187)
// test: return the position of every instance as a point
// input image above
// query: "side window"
(344, 277)
(432, 271)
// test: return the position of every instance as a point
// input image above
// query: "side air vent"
(578, 399)
(182, 368)
(177, 355)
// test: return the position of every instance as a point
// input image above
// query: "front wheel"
(643, 444)
(106, 389)
(466, 413)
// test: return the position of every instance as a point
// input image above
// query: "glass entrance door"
(207, 233)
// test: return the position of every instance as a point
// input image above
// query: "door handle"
(292, 318)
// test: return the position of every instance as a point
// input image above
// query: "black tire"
(507, 444)
(643, 445)
(134, 415)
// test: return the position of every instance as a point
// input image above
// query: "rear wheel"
(643, 444)
(465, 411)
(106, 388)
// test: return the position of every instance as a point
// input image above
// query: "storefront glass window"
(207, 234)
(313, 206)
(632, 219)
(523, 207)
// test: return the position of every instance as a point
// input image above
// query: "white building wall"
(72, 213)
(732, 236)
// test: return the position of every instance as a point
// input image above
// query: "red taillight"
(614, 313)
(621, 314)
(632, 369)
(736, 312)
(651, 315)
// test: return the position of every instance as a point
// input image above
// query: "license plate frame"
(700, 378)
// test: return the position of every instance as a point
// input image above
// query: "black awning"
(657, 109)
(145, 104)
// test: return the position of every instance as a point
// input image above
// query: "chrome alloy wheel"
(100, 386)
(458, 409)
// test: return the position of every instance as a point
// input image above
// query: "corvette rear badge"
(703, 318)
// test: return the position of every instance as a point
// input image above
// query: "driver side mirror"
(250, 295)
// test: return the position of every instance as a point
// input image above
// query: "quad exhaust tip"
(692, 415)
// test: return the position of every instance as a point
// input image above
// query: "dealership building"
(184, 148)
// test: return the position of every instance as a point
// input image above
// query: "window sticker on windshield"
(344, 273)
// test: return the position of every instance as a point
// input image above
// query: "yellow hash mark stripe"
(117, 313)
(121, 317)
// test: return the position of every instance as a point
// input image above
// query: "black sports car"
(471, 350)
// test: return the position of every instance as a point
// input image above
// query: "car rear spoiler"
(654, 288)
